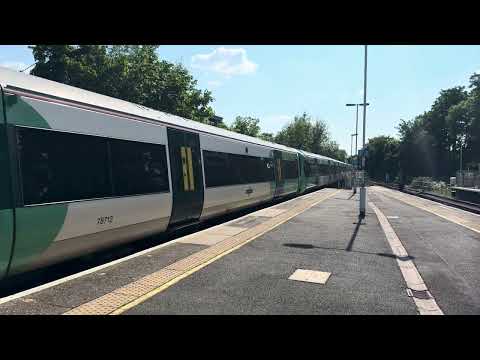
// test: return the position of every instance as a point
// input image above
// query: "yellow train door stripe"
(184, 168)
(190, 169)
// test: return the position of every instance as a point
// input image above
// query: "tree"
(297, 134)
(416, 153)
(435, 123)
(246, 125)
(305, 134)
(472, 148)
(320, 137)
(129, 72)
(382, 157)
(267, 137)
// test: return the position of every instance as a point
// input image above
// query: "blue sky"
(275, 83)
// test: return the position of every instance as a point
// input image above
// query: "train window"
(313, 166)
(223, 169)
(307, 168)
(290, 169)
(324, 169)
(255, 169)
(216, 169)
(138, 168)
(58, 166)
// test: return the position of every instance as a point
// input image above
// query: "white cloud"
(15, 65)
(225, 61)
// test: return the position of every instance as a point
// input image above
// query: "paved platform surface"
(244, 266)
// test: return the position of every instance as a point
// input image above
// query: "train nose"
(6, 207)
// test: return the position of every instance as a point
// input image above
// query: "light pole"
(356, 124)
(461, 160)
(356, 138)
(363, 191)
(351, 163)
(351, 147)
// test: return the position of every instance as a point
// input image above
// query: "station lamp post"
(351, 163)
(462, 141)
(351, 148)
(363, 191)
(356, 124)
(356, 137)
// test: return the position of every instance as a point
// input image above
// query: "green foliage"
(129, 72)
(267, 137)
(430, 144)
(305, 134)
(382, 158)
(246, 125)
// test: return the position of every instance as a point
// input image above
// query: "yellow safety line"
(165, 286)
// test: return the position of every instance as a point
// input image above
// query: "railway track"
(460, 204)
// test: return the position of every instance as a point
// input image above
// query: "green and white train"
(82, 171)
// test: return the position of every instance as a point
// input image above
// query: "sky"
(275, 83)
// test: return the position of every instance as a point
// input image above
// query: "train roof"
(321, 157)
(316, 156)
(15, 80)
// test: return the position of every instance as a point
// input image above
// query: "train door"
(302, 183)
(279, 179)
(187, 176)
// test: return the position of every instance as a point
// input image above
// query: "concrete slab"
(312, 276)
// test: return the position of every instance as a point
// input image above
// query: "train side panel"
(6, 206)
(50, 228)
(227, 184)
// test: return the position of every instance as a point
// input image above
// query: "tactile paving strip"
(115, 300)
(249, 221)
(103, 305)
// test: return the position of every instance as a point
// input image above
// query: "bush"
(422, 183)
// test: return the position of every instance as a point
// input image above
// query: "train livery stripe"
(6, 234)
(19, 112)
(6, 212)
(36, 229)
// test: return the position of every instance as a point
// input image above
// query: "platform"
(309, 255)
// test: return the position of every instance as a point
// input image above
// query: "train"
(81, 172)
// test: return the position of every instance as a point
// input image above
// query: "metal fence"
(468, 178)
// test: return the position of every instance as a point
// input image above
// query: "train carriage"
(82, 171)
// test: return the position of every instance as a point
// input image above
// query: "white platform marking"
(318, 277)
(409, 271)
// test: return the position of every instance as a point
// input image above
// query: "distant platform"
(467, 194)
(466, 189)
